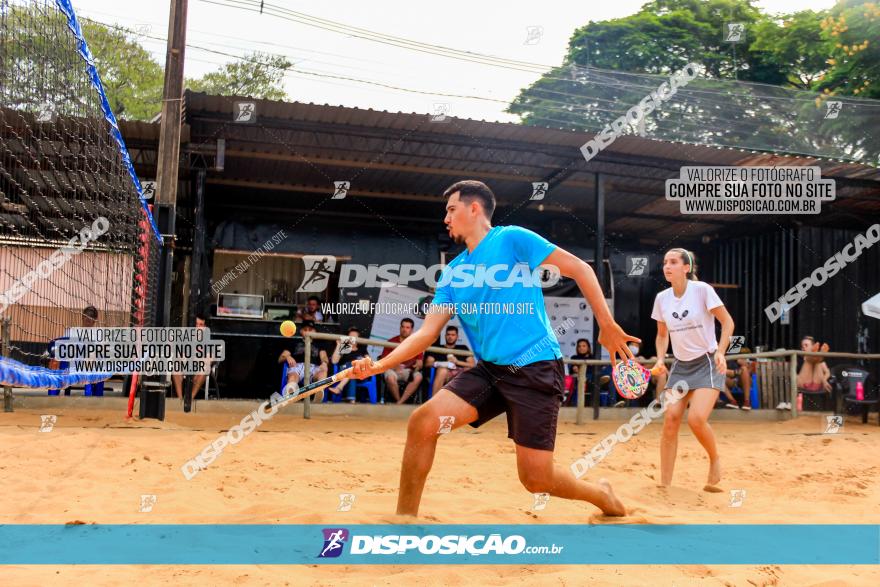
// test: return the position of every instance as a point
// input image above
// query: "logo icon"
(637, 266)
(550, 276)
(245, 112)
(141, 29)
(441, 109)
(735, 32)
(737, 497)
(147, 503)
(149, 189)
(446, 424)
(46, 113)
(539, 190)
(833, 108)
(833, 424)
(345, 344)
(47, 423)
(736, 344)
(340, 189)
(346, 501)
(334, 540)
(318, 271)
(541, 500)
(534, 35)
(682, 317)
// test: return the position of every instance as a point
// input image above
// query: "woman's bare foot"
(714, 474)
(613, 506)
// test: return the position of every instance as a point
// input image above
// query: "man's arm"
(409, 348)
(611, 335)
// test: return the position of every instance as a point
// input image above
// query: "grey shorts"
(698, 373)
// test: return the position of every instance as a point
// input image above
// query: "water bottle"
(860, 391)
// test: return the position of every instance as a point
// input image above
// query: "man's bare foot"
(714, 474)
(613, 506)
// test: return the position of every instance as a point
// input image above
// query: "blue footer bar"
(236, 544)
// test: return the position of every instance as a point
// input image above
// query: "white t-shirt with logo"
(691, 325)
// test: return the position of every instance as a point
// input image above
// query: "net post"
(6, 346)
(581, 391)
(307, 375)
(792, 384)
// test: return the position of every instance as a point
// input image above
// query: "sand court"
(94, 467)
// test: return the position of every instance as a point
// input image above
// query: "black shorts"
(531, 396)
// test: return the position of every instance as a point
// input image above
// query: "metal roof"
(400, 163)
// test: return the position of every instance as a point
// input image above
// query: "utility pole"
(169, 149)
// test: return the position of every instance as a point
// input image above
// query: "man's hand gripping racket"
(366, 367)
(630, 378)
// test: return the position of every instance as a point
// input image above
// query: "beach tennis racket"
(292, 392)
(630, 378)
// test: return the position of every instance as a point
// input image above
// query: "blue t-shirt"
(496, 292)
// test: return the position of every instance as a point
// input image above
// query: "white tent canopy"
(872, 307)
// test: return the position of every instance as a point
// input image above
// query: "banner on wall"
(560, 309)
(397, 303)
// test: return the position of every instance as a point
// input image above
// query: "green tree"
(257, 75)
(132, 80)
(664, 36)
(40, 64)
(667, 34)
(794, 45)
(853, 32)
(609, 68)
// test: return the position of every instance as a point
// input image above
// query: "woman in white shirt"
(686, 314)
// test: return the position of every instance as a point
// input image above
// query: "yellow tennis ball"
(288, 328)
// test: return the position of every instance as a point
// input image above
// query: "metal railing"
(791, 355)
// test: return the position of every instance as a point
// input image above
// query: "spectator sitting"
(296, 360)
(583, 352)
(409, 372)
(311, 311)
(346, 351)
(739, 375)
(814, 373)
(448, 366)
(199, 378)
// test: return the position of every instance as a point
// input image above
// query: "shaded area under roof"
(398, 165)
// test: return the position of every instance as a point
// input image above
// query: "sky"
(532, 32)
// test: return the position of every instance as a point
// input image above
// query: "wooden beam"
(430, 199)
(373, 165)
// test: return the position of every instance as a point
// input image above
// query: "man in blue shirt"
(495, 288)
